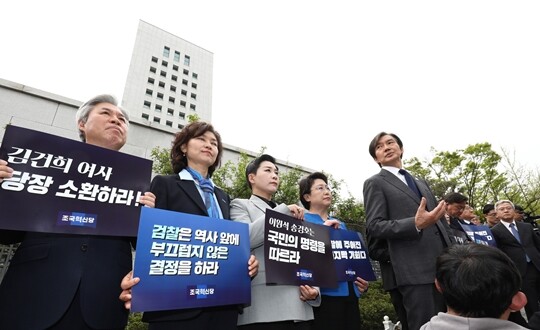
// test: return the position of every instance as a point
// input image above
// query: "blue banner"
(66, 186)
(350, 255)
(190, 261)
(297, 252)
(480, 234)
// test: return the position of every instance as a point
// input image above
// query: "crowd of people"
(437, 276)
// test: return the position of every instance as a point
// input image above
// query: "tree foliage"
(479, 173)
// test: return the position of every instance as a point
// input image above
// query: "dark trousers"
(397, 302)
(421, 303)
(531, 288)
(210, 318)
(283, 325)
(338, 312)
(73, 318)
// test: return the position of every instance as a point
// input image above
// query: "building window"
(174, 78)
(186, 60)
(152, 69)
(163, 74)
(175, 67)
(184, 82)
(192, 107)
(154, 59)
(160, 96)
(166, 51)
(194, 85)
(186, 72)
(161, 84)
(180, 126)
(164, 63)
(176, 56)
(182, 115)
(194, 96)
(170, 111)
(171, 99)
(149, 92)
(147, 104)
(183, 92)
(151, 80)
(146, 116)
(183, 103)
(157, 120)
(173, 88)
(158, 108)
(194, 75)
(169, 123)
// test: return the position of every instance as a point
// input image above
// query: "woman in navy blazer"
(195, 155)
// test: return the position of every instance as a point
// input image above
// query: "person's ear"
(251, 178)
(307, 197)
(519, 300)
(438, 286)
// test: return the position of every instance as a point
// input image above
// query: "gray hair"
(86, 108)
(503, 201)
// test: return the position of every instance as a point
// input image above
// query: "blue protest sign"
(189, 261)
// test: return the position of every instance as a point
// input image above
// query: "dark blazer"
(46, 271)
(390, 210)
(178, 195)
(530, 244)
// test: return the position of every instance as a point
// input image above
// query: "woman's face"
(320, 195)
(201, 151)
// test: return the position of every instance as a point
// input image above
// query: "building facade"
(168, 80)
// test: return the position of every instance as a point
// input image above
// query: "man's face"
(491, 218)
(505, 212)
(106, 127)
(388, 152)
(455, 209)
(518, 215)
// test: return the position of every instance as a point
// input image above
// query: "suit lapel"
(223, 203)
(505, 233)
(396, 182)
(259, 203)
(192, 192)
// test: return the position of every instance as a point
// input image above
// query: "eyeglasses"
(322, 188)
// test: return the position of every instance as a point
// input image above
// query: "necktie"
(516, 235)
(410, 182)
(208, 191)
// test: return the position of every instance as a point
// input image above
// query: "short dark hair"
(477, 280)
(190, 131)
(487, 208)
(518, 208)
(254, 165)
(455, 197)
(305, 186)
(373, 143)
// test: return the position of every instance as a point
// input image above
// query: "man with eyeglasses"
(518, 240)
(490, 214)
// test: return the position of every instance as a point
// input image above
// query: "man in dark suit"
(404, 212)
(518, 240)
(61, 281)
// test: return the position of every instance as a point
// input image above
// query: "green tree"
(374, 305)
(161, 160)
(135, 322)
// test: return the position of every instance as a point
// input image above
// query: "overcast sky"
(312, 81)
